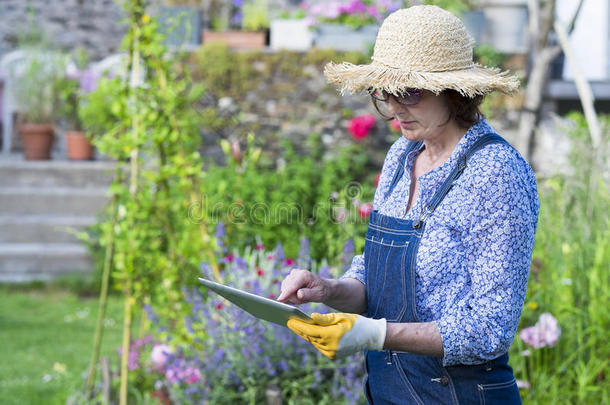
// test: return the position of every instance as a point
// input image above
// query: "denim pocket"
(504, 393)
(386, 291)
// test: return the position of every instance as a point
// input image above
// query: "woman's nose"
(393, 105)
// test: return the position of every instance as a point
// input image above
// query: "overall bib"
(390, 259)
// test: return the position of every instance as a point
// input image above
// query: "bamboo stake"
(99, 327)
(133, 188)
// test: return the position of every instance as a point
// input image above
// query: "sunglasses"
(406, 97)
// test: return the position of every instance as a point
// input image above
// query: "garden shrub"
(569, 279)
(309, 195)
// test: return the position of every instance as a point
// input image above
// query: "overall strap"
(400, 169)
(436, 199)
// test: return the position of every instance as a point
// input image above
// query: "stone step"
(24, 262)
(52, 200)
(42, 228)
(63, 173)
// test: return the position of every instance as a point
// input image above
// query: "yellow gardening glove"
(339, 335)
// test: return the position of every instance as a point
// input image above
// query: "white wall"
(590, 40)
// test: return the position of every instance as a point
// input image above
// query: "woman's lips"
(406, 124)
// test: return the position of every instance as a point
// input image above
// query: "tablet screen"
(261, 307)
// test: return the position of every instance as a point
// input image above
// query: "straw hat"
(422, 47)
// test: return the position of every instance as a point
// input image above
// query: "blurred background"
(146, 143)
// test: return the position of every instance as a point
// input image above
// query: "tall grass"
(570, 278)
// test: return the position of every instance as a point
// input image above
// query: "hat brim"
(477, 80)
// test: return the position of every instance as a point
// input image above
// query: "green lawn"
(46, 337)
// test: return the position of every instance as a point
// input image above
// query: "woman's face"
(423, 121)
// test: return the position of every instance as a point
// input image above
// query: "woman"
(442, 280)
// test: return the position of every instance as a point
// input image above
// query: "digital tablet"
(261, 307)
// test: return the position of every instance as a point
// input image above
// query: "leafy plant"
(36, 81)
(255, 15)
(309, 194)
(569, 278)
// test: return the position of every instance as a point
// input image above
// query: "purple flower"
(220, 230)
(237, 18)
(88, 80)
(545, 333)
(348, 254)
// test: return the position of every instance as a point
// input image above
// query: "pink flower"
(158, 356)
(545, 333)
(259, 271)
(364, 210)
(259, 246)
(191, 375)
(359, 127)
(288, 262)
(229, 258)
(395, 125)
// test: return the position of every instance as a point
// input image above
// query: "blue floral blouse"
(474, 256)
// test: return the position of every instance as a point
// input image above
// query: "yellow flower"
(59, 367)
(532, 305)
(145, 19)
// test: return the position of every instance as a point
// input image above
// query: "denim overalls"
(390, 258)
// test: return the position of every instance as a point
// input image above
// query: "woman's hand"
(302, 286)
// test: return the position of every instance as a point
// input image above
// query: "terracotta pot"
(37, 140)
(79, 147)
(236, 39)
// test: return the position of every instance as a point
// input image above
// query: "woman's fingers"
(301, 286)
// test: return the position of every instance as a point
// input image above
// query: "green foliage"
(99, 111)
(220, 70)
(256, 15)
(569, 278)
(152, 131)
(309, 195)
(36, 82)
(455, 6)
(227, 73)
(487, 55)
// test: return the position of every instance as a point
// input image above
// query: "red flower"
(377, 178)
(259, 246)
(288, 262)
(272, 296)
(360, 126)
(259, 271)
(229, 258)
(395, 125)
(219, 306)
(364, 210)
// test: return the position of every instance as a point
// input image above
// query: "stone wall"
(92, 25)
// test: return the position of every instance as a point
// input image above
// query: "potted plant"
(348, 25)
(239, 24)
(73, 89)
(35, 81)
